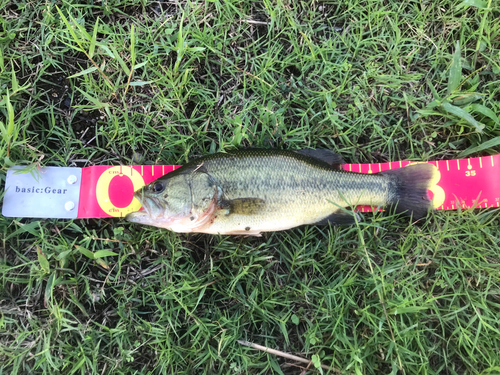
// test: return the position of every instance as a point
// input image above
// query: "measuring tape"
(107, 191)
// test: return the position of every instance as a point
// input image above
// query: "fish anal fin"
(327, 156)
(339, 217)
(243, 206)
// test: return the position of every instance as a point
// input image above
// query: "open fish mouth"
(152, 210)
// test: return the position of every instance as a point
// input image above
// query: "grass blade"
(10, 116)
(483, 146)
(120, 60)
(42, 260)
(140, 83)
(132, 57)
(104, 253)
(132, 45)
(89, 254)
(455, 75)
(15, 83)
(70, 29)
(474, 3)
(479, 108)
(464, 115)
(93, 41)
(83, 72)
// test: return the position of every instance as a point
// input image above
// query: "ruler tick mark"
(492, 164)
(480, 162)
(458, 164)
(152, 170)
(447, 165)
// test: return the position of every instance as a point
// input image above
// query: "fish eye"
(158, 187)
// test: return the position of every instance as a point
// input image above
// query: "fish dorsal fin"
(327, 156)
(243, 206)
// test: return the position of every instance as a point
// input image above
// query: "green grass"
(154, 82)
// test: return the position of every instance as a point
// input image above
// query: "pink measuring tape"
(107, 191)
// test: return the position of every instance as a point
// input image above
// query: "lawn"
(137, 82)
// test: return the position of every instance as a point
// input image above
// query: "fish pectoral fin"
(243, 206)
(327, 156)
(339, 217)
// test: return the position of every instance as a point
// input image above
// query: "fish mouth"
(139, 217)
(152, 210)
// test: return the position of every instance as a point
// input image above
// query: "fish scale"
(296, 191)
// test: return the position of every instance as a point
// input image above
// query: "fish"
(251, 191)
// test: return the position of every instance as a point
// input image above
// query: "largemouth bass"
(252, 191)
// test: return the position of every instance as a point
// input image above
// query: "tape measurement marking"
(458, 164)
(163, 169)
(379, 168)
(447, 165)
(492, 164)
(152, 170)
(480, 162)
(102, 190)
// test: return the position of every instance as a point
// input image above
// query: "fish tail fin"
(410, 188)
